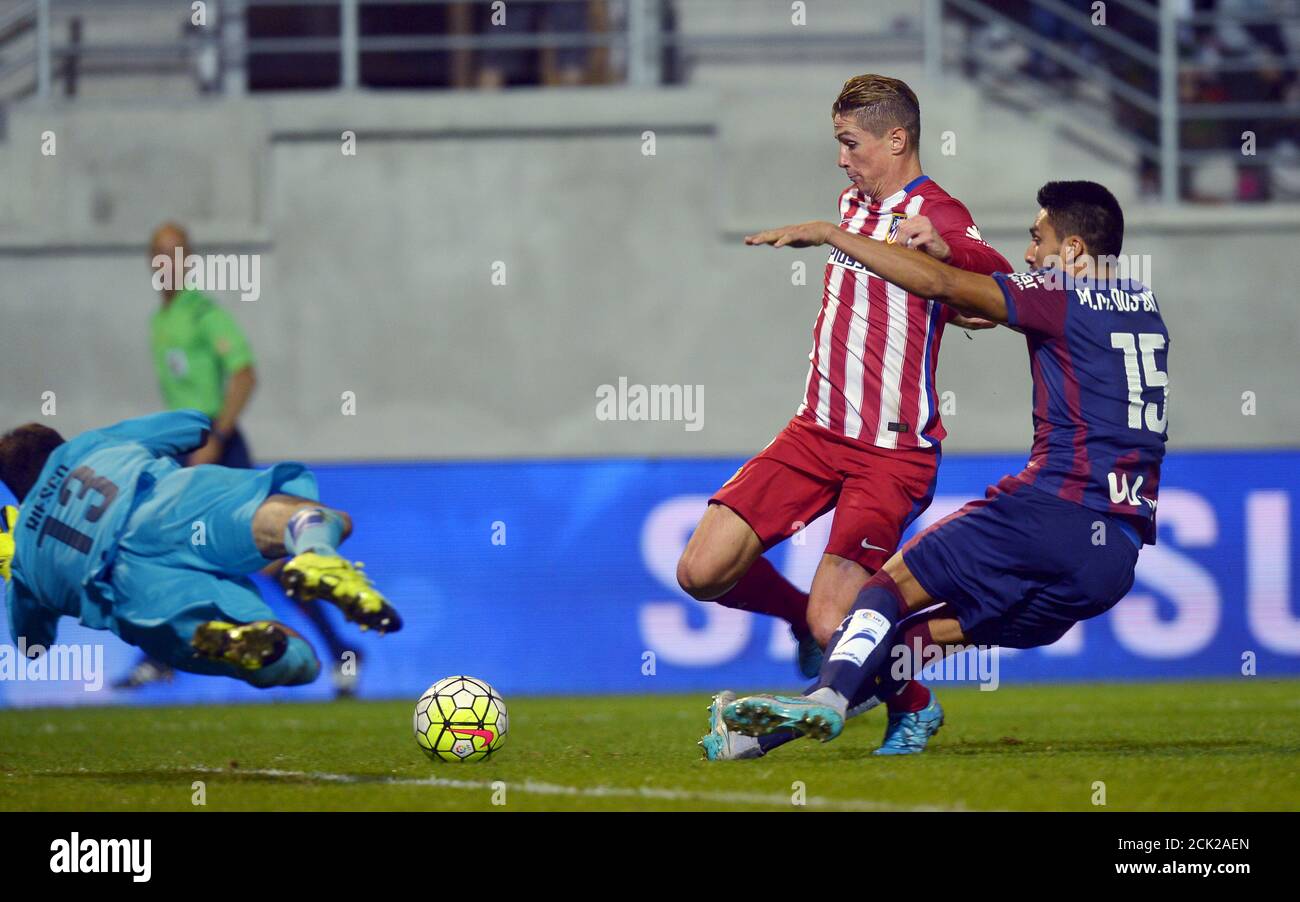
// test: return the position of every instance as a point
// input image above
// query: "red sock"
(912, 696)
(764, 590)
(910, 699)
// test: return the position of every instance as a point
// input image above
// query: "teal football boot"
(757, 715)
(908, 733)
(720, 743)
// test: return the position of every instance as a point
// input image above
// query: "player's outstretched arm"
(912, 270)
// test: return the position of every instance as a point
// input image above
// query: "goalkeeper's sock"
(315, 529)
(764, 590)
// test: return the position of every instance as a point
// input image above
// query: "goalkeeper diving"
(113, 531)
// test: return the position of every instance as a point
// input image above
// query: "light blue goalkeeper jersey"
(70, 522)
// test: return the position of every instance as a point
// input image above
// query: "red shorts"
(807, 470)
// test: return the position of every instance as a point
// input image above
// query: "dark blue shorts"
(235, 453)
(1020, 567)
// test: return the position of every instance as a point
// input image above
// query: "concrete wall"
(377, 268)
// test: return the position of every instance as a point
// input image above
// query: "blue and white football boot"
(908, 733)
(757, 715)
(720, 743)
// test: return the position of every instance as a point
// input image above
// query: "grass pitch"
(1232, 745)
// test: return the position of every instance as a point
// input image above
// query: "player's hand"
(919, 232)
(210, 453)
(805, 234)
(974, 323)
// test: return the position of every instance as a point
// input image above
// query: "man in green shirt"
(201, 356)
(204, 362)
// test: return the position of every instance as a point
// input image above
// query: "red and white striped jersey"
(876, 347)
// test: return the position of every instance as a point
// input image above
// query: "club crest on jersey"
(895, 220)
(839, 258)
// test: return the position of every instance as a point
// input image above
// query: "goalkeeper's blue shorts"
(186, 555)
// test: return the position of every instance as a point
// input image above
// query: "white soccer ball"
(460, 718)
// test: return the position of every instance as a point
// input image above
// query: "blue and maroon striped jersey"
(1098, 353)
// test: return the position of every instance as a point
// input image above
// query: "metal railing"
(638, 33)
(1138, 60)
(1145, 77)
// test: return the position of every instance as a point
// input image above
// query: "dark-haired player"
(865, 441)
(114, 532)
(1044, 549)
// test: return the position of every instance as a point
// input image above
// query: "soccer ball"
(460, 718)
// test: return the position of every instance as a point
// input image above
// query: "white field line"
(533, 787)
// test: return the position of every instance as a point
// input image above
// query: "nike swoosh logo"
(486, 735)
(867, 544)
